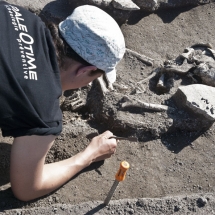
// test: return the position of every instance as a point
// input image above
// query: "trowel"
(132, 139)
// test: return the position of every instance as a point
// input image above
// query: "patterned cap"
(96, 37)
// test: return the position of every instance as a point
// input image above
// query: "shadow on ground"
(178, 141)
(166, 15)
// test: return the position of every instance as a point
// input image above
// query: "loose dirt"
(170, 173)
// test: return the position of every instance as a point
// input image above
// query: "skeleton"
(134, 115)
(74, 102)
(199, 59)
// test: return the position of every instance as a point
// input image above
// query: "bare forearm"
(31, 179)
(56, 174)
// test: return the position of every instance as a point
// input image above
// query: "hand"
(101, 147)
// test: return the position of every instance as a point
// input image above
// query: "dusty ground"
(173, 165)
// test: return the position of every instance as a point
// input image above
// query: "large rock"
(197, 98)
(152, 5)
(149, 5)
(125, 5)
(120, 10)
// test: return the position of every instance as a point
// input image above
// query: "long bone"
(102, 85)
(141, 57)
(148, 106)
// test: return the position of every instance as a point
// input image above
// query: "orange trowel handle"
(120, 175)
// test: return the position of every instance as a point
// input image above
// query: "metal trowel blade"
(132, 139)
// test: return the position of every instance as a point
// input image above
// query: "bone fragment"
(141, 57)
(160, 83)
(102, 85)
(211, 51)
(138, 90)
(184, 68)
(150, 76)
(75, 105)
(121, 88)
(139, 104)
(208, 45)
(188, 53)
(110, 86)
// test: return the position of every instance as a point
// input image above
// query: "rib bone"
(74, 102)
(75, 105)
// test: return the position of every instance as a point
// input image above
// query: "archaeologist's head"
(90, 43)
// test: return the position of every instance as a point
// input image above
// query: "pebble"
(131, 211)
(202, 200)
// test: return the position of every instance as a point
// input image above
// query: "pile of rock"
(119, 9)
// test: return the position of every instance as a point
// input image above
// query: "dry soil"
(171, 173)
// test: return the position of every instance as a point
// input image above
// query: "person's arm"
(31, 178)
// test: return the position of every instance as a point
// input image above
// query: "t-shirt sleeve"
(30, 78)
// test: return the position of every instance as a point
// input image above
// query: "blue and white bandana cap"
(96, 37)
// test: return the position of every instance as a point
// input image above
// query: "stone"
(197, 98)
(202, 201)
(149, 5)
(152, 5)
(125, 5)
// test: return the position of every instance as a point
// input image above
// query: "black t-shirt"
(30, 84)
